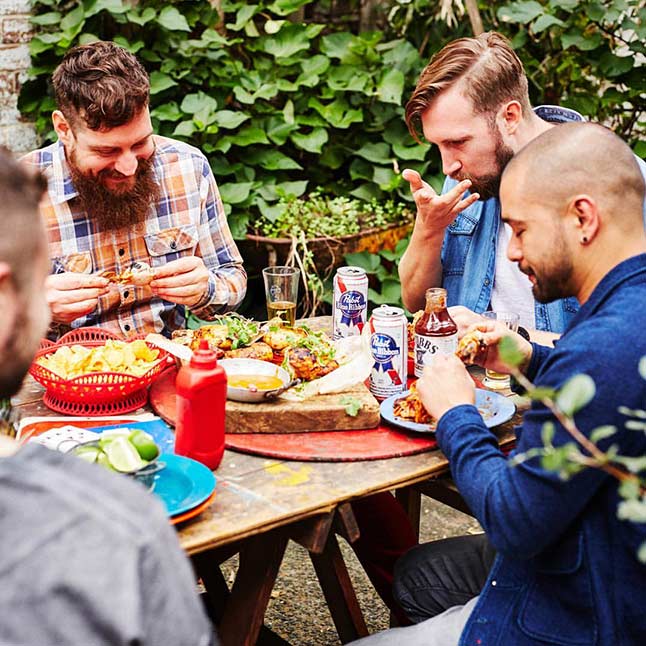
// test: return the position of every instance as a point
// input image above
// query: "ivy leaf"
(238, 224)
(352, 405)
(273, 26)
(337, 45)
(566, 5)
(229, 119)
(290, 40)
(369, 262)
(235, 193)
(250, 135)
(367, 192)
(417, 152)
(49, 18)
(167, 112)
(141, 18)
(545, 21)
(377, 153)
(520, 12)
(243, 16)
(160, 82)
(185, 129)
(385, 178)
(312, 142)
(272, 213)
(284, 7)
(391, 87)
(273, 160)
(196, 102)
(173, 20)
(576, 393)
(584, 43)
(612, 65)
(111, 6)
(602, 432)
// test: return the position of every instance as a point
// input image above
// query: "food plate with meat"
(402, 410)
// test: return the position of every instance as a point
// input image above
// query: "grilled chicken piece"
(470, 346)
(307, 366)
(283, 337)
(257, 350)
(139, 273)
(411, 407)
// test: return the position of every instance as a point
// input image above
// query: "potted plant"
(316, 232)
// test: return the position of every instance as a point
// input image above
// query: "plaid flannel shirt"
(188, 219)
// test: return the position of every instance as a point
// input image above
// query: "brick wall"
(15, 33)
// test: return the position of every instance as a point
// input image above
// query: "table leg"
(260, 559)
(339, 593)
(410, 500)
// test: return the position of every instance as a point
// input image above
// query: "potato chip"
(134, 358)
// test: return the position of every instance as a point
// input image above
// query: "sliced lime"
(145, 444)
(88, 453)
(110, 435)
(123, 456)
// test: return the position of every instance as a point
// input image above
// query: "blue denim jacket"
(566, 571)
(469, 250)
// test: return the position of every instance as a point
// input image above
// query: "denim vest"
(469, 250)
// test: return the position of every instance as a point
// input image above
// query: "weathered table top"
(255, 494)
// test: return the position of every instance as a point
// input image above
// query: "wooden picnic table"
(261, 503)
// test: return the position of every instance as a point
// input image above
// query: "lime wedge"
(110, 435)
(88, 453)
(123, 456)
(145, 444)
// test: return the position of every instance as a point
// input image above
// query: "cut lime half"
(123, 456)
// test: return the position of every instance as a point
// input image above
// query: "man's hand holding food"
(183, 281)
(72, 295)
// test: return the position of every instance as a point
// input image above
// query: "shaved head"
(581, 158)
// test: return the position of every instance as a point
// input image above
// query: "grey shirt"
(88, 557)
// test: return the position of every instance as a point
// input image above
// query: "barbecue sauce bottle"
(435, 332)
(201, 397)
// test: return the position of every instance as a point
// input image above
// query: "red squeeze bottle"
(201, 396)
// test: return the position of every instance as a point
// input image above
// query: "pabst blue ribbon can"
(350, 304)
(389, 348)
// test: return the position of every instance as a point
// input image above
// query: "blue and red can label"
(350, 303)
(389, 349)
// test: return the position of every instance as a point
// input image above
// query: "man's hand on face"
(445, 384)
(435, 212)
(71, 295)
(183, 281)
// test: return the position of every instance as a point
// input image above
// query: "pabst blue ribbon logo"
(383, 348)
(352, 305)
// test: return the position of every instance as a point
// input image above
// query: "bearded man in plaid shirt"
(119, 194)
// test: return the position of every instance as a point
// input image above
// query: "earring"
(584, 240)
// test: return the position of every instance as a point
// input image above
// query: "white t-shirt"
(512, 290)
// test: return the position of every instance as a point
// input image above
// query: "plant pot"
(260, 251)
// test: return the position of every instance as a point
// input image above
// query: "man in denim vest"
(567, 569)
(472, 102)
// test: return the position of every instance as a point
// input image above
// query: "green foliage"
(279, 107)
(582, 54)
(319, 215)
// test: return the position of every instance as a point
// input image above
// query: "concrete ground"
(297, 610)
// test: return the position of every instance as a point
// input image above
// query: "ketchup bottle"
(435, 332)
(201, 396)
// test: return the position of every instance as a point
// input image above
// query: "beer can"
(350, 302)
(389, 348)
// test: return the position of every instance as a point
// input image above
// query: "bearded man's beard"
(488, 186)
(115, 209)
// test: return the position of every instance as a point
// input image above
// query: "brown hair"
(21, 189)
(102, 83)
(490, 68)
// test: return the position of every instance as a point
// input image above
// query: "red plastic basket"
(96, 393)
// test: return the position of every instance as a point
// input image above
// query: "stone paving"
(297, 610)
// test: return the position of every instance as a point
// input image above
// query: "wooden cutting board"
(320, 413)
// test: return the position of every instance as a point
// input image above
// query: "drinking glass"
(281, 292)
(500, 380)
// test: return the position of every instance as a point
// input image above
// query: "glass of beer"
(500, 380)
(281, 292)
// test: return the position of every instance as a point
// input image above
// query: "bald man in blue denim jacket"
(566, 570)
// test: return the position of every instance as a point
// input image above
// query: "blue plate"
(183, 483)
(494, 408)
(160, 431)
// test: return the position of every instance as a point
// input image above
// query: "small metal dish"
(255, 367)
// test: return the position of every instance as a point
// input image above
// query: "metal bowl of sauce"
(251, 380)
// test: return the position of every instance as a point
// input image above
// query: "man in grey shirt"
(88, 556)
